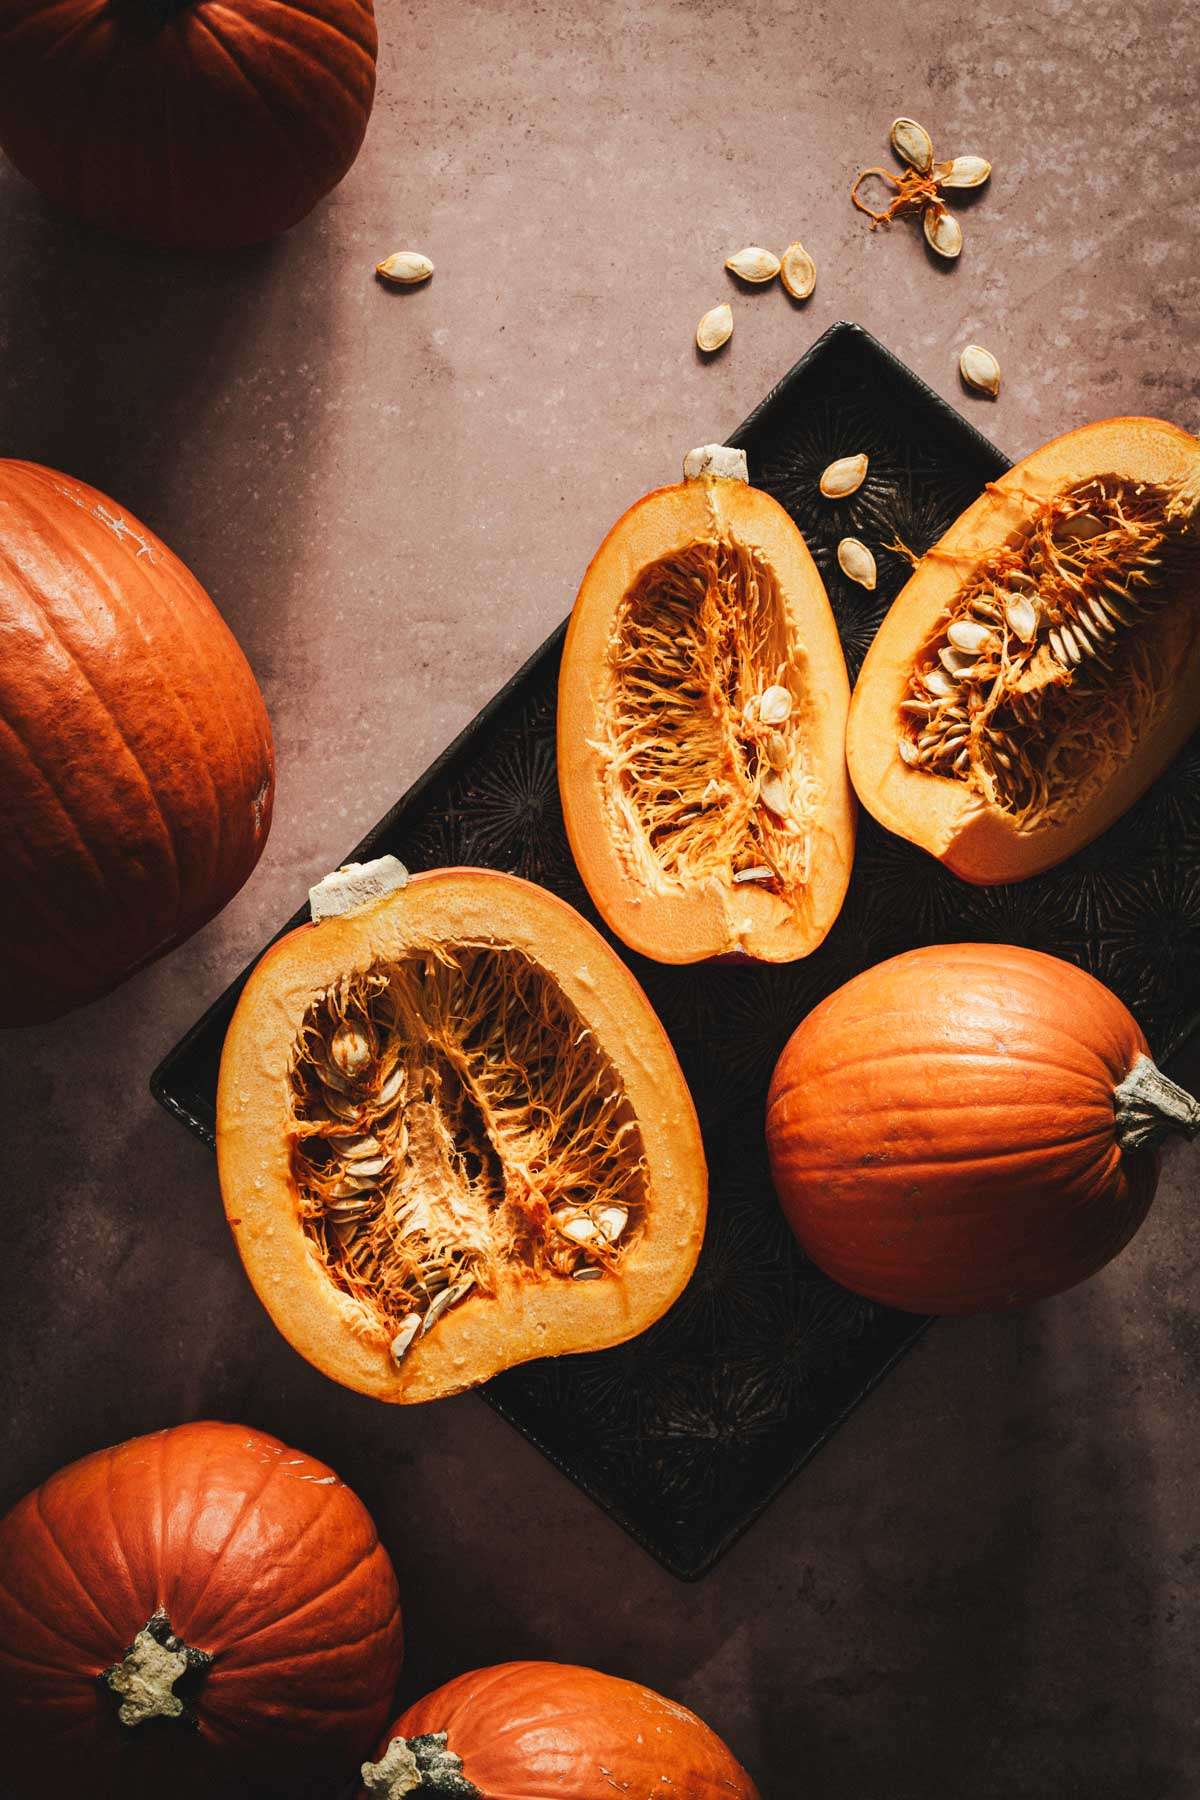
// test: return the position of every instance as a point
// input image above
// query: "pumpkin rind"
(186, 122)
(526, 1317)
(980, 841)
(258, 1556)
(942, 1130)
(136, 766)
(525, 1730)
(673, 920)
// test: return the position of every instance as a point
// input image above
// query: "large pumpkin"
(526, 1730)
(452, 1135)
(198, 123)
(968, 1128)
(198, 1612)
(701, 726)
(1042, 665)
(136, 768)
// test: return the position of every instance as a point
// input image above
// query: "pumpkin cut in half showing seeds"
(452, 1135)
(701, 720)
(1042, 665)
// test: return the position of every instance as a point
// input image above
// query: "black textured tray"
(686, 1433)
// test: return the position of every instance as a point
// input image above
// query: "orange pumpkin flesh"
(219, 1539)
(186, 122)
(525, 1730)
(701, 612)
(136, 767)
(459, 1083)
(1095, 533)
(946, 1129)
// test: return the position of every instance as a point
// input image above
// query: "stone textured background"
(987, 1584)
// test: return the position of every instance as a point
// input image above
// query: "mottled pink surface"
(986, 1586)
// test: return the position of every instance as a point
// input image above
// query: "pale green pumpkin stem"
(146, 1675)
(1149, 1107)
(419, 1768)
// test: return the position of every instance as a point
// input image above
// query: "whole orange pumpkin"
(136, 767)
(968, 1128)
(197, 123)
(525, 1730)
(193, 1613)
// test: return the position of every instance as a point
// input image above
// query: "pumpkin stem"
(717, 460)
(1149, 1106)
(146, 1675)
(419, 1768)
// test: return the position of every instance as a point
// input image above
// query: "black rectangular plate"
(686, 1433)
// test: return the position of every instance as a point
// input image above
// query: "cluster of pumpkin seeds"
(922, 185)
(453, 1118)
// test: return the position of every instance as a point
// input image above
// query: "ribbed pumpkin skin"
(529, 1730)
(941, 1130)
(136, 768)
(205, 125)
(259, 1555)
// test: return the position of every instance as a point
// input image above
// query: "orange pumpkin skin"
(258, 1555)
(136, 767)
(186, 122)
(526, 1730)
(942, 1130)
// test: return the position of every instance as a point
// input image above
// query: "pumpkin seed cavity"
(456, 1121)
(1052, 663)
(706, 773)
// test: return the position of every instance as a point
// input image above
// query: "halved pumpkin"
(1042, 666)
(701, 721)
(452, 1135)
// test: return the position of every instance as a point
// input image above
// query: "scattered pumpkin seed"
(843, 477)
(913, 144)
(798, 272)
(963, 172)
(943, 232)
(979, 368)
(753, 264)
(404, 268)
(715, 328)
(856, 561)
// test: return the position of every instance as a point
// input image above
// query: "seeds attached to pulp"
(404, 268)
(943, 232)
(843, 477)
(963, 172)
(856, 562)
(715, 328)
(798, 272)
(913, 144)
(979, 369)
(1048, 665)
(482, 1111)
(753, 264)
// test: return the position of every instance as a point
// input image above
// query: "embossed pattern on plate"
(686, 1433)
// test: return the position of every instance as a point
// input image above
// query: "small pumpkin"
(524, 1730)
(1042, 665)
(701, 722)
(203, 124)
(452, 1134)
(136, 767)
(968, 1128)
(197, 1612)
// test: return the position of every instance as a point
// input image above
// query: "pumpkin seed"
(938, 682)
(437, 1307)
(908, 752)
(715, 328)
(913, 144)
(965, 634)
(943, 232)
(774, 705)
(1078, 529)
(979, 369)
(1022, 616)
(580, 1230)
(758, 873)
(798, 272)
(404, 268)
(773, 792)
(355, 1149)
(856, 562)
(401, 1344)
(843, 477)
(963, 172)
(777, 750)
(753, 264)
(589, 1274)
(350, 1050)
(612, 1221)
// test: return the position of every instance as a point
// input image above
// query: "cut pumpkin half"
(701, 723)
(452, 1135)
(1042, 665)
